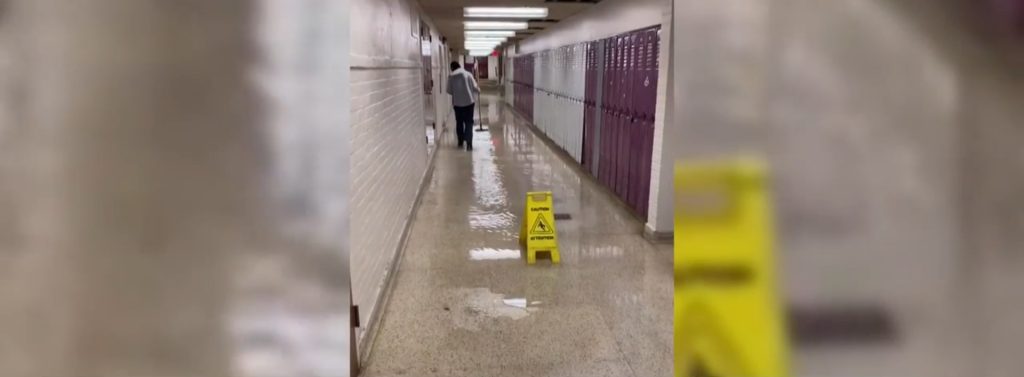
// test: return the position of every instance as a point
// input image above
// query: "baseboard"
(658, 237)
(369, 336)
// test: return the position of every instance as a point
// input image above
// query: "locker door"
(639, 133)
(559, 103)
(520, 91)
(540, 85)
(629, 150)
(649, 105)
(579, 75)
(620, 111)
(621, 96)
(570, 108)
(613, 119)
(603, 152)
(629, 141)
(588, 107)
(613, 95)
(530, 88)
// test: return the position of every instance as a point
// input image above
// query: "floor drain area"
(810, 326)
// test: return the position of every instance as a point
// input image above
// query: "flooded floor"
(466, 302)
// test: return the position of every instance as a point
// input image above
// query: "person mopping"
(463, 88)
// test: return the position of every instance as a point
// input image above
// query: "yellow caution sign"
(538, 232)
(728, 319)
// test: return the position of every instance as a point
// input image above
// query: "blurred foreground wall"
(894, 134)
(173, 188)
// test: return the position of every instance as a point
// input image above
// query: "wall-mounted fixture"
(495, 25)
(500, 12)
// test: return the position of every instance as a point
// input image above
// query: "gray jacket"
(462, 86)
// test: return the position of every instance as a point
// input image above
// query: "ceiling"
(447, 14)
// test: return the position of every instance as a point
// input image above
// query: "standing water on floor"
(465, 303)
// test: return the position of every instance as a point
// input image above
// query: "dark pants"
(464, 124)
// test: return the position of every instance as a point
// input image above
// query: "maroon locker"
(604, 167)
(648, 109)
(613, 114)
(589, 105)
(641, 126)
(614, 121)
(627, 116)
(624, 117)
(632, 129)
(614, 103)
(621, 121)
(631, 152)
(602, 107)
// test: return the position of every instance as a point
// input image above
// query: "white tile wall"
(389, 159)
(389, 151)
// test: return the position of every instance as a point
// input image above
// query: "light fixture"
(492, 42)
(480, 48)
(490, 33)
(485, 39)
(480, 52)
(498, 12)
(495, 25)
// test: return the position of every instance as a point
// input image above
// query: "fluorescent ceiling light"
(492, 42)
(495, 25)
(490, 33)
(482, 44)
(479, 53)
(497, 12)
(486, 39)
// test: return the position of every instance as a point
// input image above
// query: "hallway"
(465, 301)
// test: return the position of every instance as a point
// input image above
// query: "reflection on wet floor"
(466, 303)
(487, 253)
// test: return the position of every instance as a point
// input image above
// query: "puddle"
(515, 302)
(487, 253)
(477, 308)
(493, 221)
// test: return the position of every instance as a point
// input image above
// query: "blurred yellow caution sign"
(728, 319)
(538, 232)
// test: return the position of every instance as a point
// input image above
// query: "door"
(427, 64)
